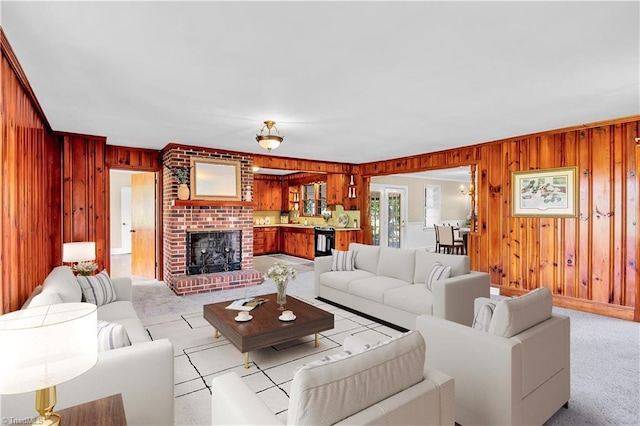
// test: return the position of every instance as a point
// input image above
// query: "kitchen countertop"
(299, 225)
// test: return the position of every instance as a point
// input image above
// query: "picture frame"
(213, 179)
(545, 192)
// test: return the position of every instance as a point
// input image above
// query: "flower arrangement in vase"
(281, 274)
(85, 268)
(182, 175)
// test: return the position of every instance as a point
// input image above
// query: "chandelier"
(269, 141)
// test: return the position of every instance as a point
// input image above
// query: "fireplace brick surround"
(178, 219)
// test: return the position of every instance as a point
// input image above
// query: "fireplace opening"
(214, 251)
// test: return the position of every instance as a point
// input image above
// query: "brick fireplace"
(224, 231)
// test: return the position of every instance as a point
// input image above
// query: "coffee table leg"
(246, 360)
(316, 340)
(216, 334)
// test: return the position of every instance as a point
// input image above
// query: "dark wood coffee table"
(265, 329)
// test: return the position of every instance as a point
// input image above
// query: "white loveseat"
(389, 284)
(141, 372)
(386, 383)
(517, 372)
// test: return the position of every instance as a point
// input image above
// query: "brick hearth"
(177, 219)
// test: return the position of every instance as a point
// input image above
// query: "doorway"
(133, 224)
(388, 215)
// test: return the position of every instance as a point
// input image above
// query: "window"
(432, 203)
(314, 199)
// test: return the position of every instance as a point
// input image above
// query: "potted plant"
(182, 175)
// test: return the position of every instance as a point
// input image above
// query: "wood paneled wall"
(30, 244)
(588, 263)
(85, 204)
(140, 159)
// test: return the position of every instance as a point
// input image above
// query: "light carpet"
(605, 375)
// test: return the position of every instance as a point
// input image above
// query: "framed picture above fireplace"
(213, 179)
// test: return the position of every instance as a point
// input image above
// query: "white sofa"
(517, 372)
(141, 372)
(386, 383)
(389, 284)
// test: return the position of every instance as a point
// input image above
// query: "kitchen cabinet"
(271, 240)
(344, 238)
(267, 194)
(297, 242)
(336, 188)
(258, 241)
(266, 241)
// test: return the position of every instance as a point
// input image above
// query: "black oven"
(324, 240)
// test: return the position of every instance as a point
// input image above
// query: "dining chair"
(447, 240)
(435, 228)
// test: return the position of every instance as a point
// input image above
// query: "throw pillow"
(97, 289)
(483, 317)
(342, 260)
(111, 336)
(514, 315)
(438, 272)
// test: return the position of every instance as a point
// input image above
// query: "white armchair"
(515, 373)
(385, 384)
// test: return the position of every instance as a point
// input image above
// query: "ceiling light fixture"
(269, 141)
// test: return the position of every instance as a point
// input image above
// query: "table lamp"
(82, 255)
(44, 346)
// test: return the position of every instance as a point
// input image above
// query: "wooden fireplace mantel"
(212, 203)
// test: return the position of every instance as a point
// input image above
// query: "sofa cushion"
(327, 392)
(45, 298)
(438, 272)
(424, 261)
(97, 289)
(483, 317)
(135, 329)
(62, 281)
(366, 257)
(111, 336)
(397, 263)
(340, 279)
(342, 260)
(411, 298)
(514, 315)
(120, 309)
(373, 288)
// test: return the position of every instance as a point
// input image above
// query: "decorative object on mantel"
(84, 253)
(269, 141)
(281, 274)
(182, 175)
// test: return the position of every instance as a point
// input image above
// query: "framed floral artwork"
(545, 193)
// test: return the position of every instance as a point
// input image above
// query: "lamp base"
(52, 420)
(46, 399)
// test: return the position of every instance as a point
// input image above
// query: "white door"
(125, 216)
(388, 215)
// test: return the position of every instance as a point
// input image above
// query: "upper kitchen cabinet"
(336, 188)
(267, 194)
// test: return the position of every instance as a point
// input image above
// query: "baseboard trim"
(362, 314)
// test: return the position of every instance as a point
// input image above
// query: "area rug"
(199, 357)
(605, 360)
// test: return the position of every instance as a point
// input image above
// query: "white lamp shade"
(78, 252)
(46, 345)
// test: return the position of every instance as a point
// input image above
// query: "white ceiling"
(345, 81)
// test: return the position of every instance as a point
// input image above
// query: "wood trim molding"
(11, 57)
